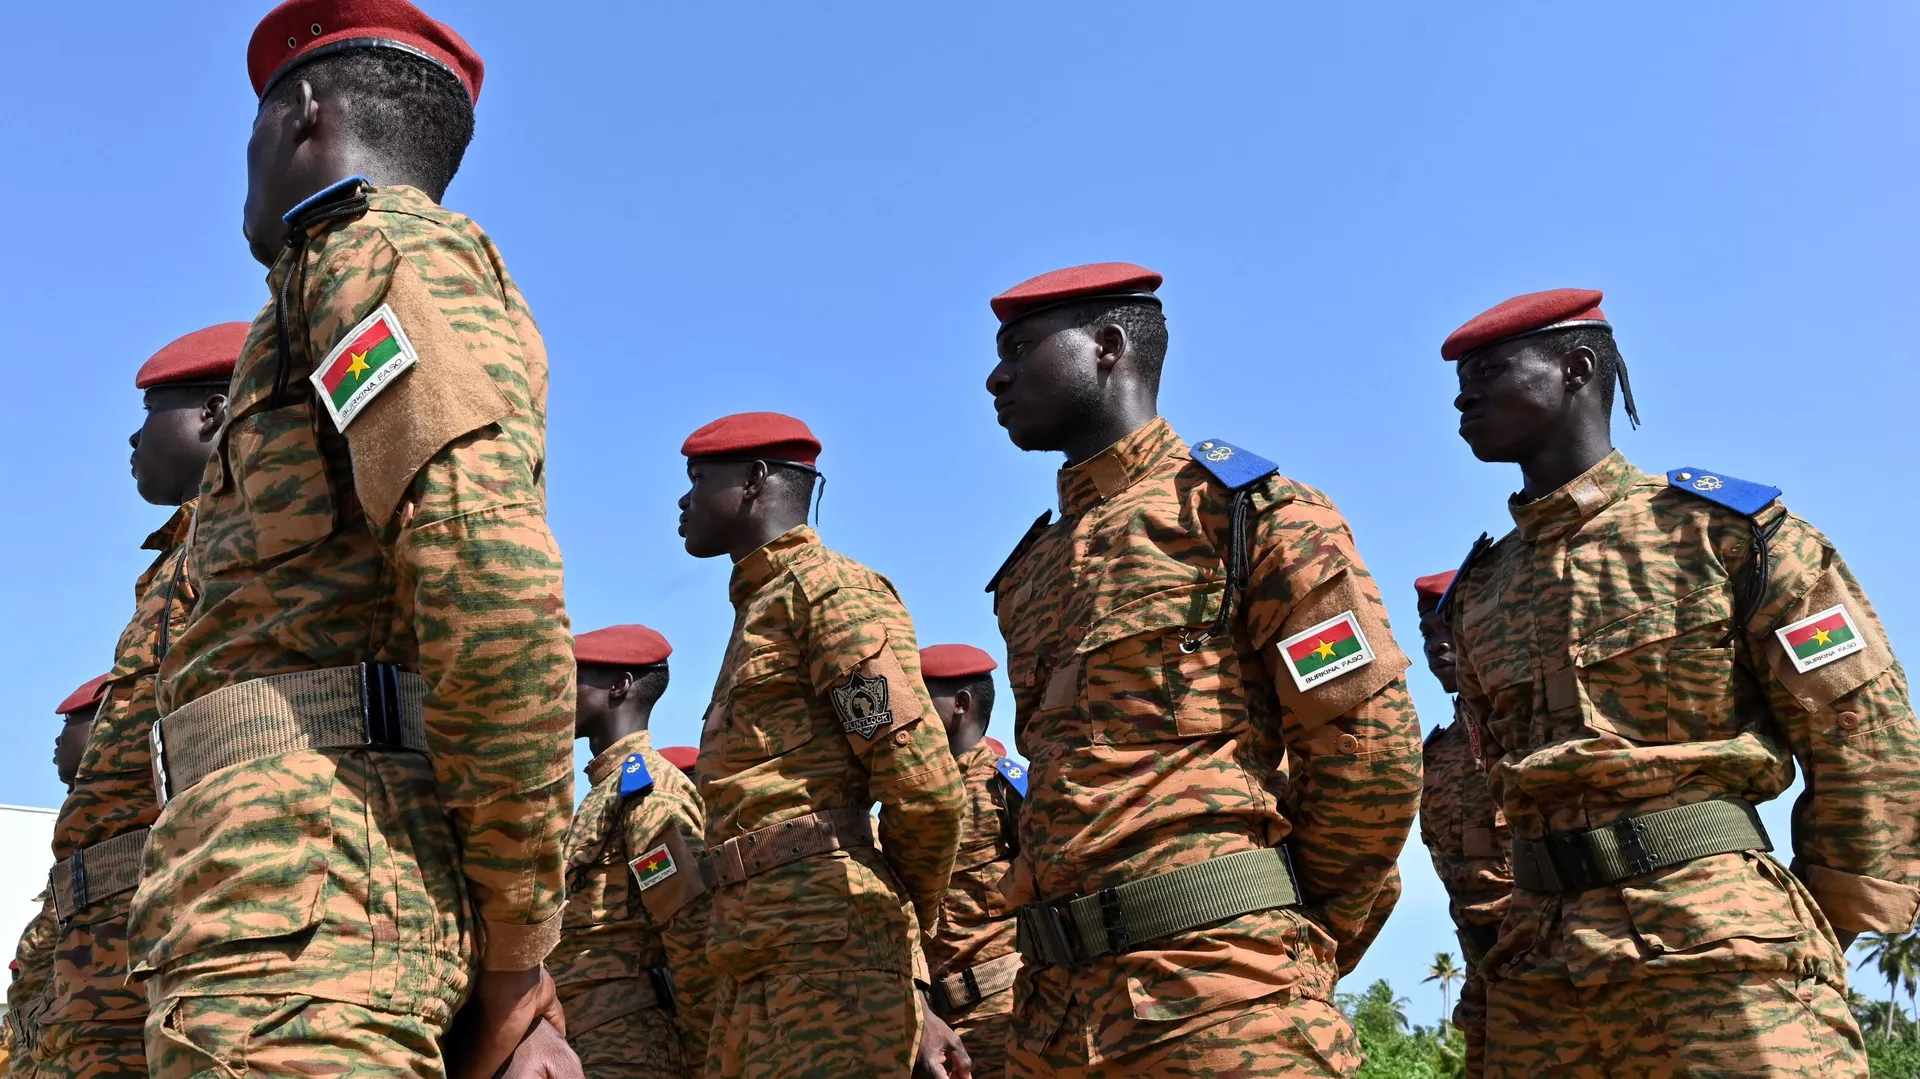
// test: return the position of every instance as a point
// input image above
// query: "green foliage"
(1894, 1058)
(1395, 1051)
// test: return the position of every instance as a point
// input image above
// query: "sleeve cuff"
(516, 946)
(1857, 904)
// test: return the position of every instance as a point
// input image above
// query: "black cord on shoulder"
(1753, 589)
(1239, 556)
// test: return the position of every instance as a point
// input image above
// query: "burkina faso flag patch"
(1326, 651)
(365, 362)
(653, 867)
(1821, 639)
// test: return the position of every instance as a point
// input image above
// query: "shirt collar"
(599, 768)
(769, 561)
(1116, 468)
(1577, 501)
(173, 533)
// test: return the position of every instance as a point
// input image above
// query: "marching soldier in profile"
(972, 958)
(92, 1028)
(1465, 833)
(819, 712)
(631, 967)
(1646, 657)
(1224, 757)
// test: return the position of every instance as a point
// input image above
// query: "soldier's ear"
(962, 703)
(622, 686)
(1577, 368)
(755, 482)
(1109, 345)
(213, 413)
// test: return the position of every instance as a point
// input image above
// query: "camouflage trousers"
(984, 1030)
(91, 1051)
(1719, 1025)
(1267, 1039)
(840, 1024)
(295, 1037)
(643, 1045)
(1470, 1015)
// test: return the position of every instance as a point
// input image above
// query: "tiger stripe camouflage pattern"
(1147, 756)
(27, 992)
(1597, 652)
(976, 923)
(614, 931)
(821, 950)
(100, 1016)
(418, 537)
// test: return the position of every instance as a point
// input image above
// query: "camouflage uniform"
(819, 953)
(94, 1019)
(27, 993)
(1153, 746)
(327, 897)
(976, 924)
(1621, 660)
(1467, 837)
(615, 931)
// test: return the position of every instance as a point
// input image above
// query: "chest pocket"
(1503, 661)
(1145, 687)
(1661, 675)
(274, 498)
(768, 708)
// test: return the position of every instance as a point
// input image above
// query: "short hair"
(408, 109)
(649, 683)
(1145, 325)
(980, 685)
(1606, 354)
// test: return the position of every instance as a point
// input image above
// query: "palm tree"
(1897, 957)
(1444, 972)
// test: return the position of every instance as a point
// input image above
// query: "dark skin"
(606, 707)
(1060, 386)
(301, 144)
(170, 449)
(1436, 636)
(71, 742)
(734, 508)
(1530, 404)
(959, 715)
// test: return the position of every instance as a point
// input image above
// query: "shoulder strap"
(1011, 778)
(1741, 496)
(1237, 471)
(1034, 532)
(1234, 467)
(1473, 555)
(1747, 499)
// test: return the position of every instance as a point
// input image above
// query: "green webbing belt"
(1068, 932)
(1577, 861)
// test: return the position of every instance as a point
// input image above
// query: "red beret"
(1431, 587)
(301, 30)
(1036, 294)
(757, 435)
(994, 744)
(621, 646)
(1536, 312)
(85, 697)
(955, 661)
(681, 757)
(202, 356)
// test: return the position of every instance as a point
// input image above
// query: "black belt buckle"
(1631, 831)
(1119, 941)
(662, 980)
(77, 878)
(1051, 928)
(1568, 860)
(380, 704)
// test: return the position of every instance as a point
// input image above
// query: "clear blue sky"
(805, 207)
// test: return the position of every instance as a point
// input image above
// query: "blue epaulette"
(1231, 465)
(331, 191)
(1738, 495)
(1014, 773)
(634, 777)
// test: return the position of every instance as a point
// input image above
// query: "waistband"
(756, 852)
(1631, 846)
(974, 984)
(93, 873)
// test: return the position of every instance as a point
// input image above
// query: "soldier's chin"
(1030, 438)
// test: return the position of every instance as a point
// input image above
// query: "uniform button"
(1349, 744)
(900, 738)
(1849, 720)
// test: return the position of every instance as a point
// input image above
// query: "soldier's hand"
(942, 1056)
(503, 1010)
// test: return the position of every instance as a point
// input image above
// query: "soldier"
(685, 758)
(364, 750)
(1465, 833)
(33, 961)
(92, 1026)
(819, 711)
(632, 966)
(1224, 758)
(972, 958)
(1646, 657)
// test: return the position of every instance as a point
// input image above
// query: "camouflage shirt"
(1464, 831)
(774, 748)
(113, 788)
(417, 537)
(1597, 651)
(976, 923)
(1145, 756)
(27, 992)
(615, 930)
